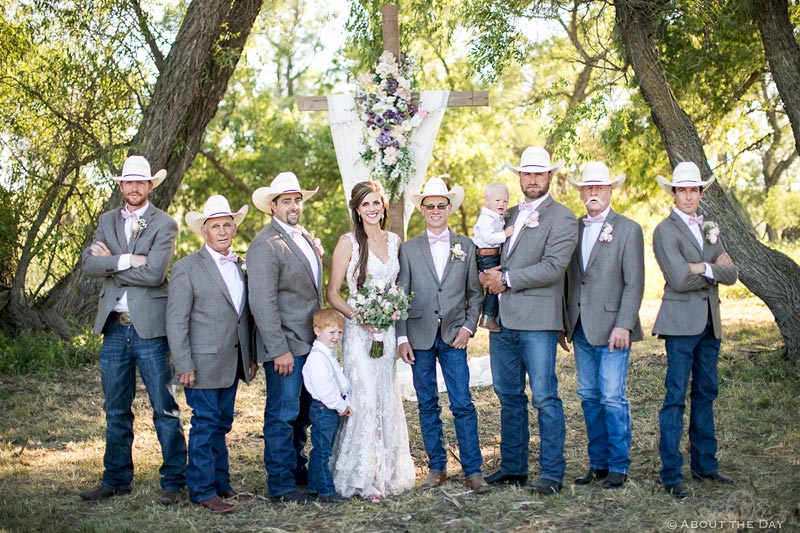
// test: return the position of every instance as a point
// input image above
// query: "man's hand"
(697, 268)
(347, 412)
(491, 280)
(253, 370)
(461, 340)
(562, 340)
(284, 364)
(723, 260)
(99, 249)
(138, 260)
(187, 378)
(620, 339)
(406, 353)
(509, 232)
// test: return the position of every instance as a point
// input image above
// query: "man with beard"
(605, 282)
(530, 281)
(131, 253)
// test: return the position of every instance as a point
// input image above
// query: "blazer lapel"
(147, 217)
(208, 263)
(425, 250)
(297, 252)
(119, 230)
(597, 244)
(449, 264)
(541, 209)
(683, 228)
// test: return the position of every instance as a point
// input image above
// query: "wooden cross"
(391, 43)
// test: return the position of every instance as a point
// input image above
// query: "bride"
(372, 457)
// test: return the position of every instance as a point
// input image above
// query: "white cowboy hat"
(136, 168)
(215, 206)
(684, 174)
(534, 159)
(284, 183)
(437, 187)
(596, 173)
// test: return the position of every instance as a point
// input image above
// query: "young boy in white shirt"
(489, 235)
(330, 389)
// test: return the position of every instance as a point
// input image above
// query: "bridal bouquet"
(380, 307)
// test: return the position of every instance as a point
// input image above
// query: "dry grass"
(51, 445)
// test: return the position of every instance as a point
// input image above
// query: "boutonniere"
(317, 243)
(456, 252)
(141, 225)
(711, 231)
(605, 233)
(533, 219)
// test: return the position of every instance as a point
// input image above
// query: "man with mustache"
(530, 282)
(605, 283)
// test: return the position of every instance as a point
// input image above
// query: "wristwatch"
(504, 279)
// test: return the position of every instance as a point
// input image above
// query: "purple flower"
(384, 139)
(391, 86)
(379, 121)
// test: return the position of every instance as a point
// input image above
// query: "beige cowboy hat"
(284, 183)
(596, 173)
(684, 174)
(437, 187)
(534, 159)
(136, 168)
(215, 206)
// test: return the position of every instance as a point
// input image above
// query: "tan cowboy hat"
(534, 159)
(136, 168)
(684, 174)
(596, 173)
(215, 206)
(284, 183)
(437, 187)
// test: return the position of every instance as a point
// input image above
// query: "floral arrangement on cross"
(389, 117)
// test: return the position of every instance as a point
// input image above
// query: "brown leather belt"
(123, 318)
(487, 251)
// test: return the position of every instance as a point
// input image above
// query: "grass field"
(52, 431)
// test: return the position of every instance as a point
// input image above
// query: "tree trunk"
(770, 275)
(185, 99)
(783, 56)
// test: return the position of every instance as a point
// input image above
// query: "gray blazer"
(688, 297)
(283, 296)
(146, 285)
(536, 264)
(608, 293)
(456, 300)
(206, 332)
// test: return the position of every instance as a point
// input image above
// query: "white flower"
(605, 233)
(456, 252)
(711, 230)
(141, 225)
(532, 220)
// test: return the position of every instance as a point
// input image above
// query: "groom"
(442, 318)
(284, 282)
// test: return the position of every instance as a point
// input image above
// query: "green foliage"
(782, 209)
(44, 353)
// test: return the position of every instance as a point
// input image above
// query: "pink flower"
(605, 234)
(318, 247)
(533, 220)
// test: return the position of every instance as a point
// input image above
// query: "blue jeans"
(285, 424)
(122, 352)
(490, 302)
(212, 417)
(601, 389)
(324, 426)
(513, 354)
(465, 417)
(694, 355)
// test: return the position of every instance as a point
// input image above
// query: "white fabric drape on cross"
(347, 131)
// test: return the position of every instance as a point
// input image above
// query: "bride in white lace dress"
(372, 457)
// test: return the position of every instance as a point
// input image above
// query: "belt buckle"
(125, 319)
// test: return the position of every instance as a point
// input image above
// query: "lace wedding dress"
(372, 455)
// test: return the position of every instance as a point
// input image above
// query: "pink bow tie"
(588, 220)
(525, 206)
(444, 237)
(127, 214)
(696, 220)
(232, 257)
(297, 234)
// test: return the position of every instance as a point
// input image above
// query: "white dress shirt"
(522, 216)
(124, 261)
(590, 235)
(231, 276)
(304, 245)
(440, 251)
(324, 378)
(489, 229)
(698, 236)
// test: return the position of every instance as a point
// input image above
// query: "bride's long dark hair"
(359, 192)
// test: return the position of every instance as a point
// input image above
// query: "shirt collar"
(324, 348)
(683, 216)
(536, 203)
(289, 229)
(488, 212)
(604, 214)
(215, 255)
